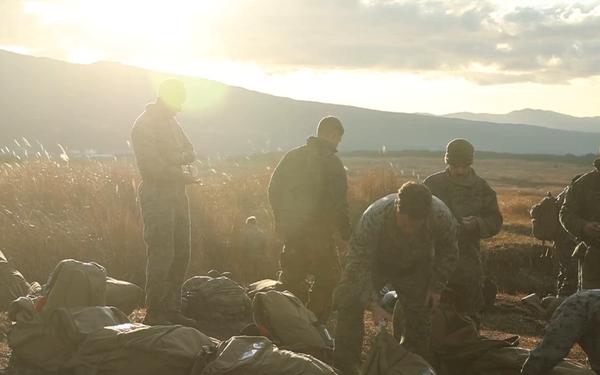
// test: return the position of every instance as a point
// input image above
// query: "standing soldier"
(474, 205)
(162, 150)
(254, 244)
(407, 240)
(307, 193)
(580, 216)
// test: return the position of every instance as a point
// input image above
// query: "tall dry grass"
(56, 209)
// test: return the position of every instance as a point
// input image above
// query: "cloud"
(485, 41)
(539, 43)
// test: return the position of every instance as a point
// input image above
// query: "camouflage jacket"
(160, 145)
(309, 188)
(379, 253)
(582, 205)
(575, 321)
(471, 197)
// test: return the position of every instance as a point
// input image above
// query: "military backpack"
(544, 218)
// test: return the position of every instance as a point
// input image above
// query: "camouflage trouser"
(465, 288)
(165, 212)
(311, 252)
(567, 279)
(411, 317)
(589, 270)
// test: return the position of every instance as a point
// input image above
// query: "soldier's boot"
(176, 317)
(156, 318)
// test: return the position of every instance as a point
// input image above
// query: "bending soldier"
(577, 320)
(307, 193)
(408, 240)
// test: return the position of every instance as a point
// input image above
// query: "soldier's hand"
(470, 223)
(378, 313)
(592, 229)
(432, 299)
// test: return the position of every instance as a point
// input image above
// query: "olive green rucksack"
(291, 325)
(130, 349)
(388, 357)
(544, 218)
(255, 355)
(74, 284)
(219, 305)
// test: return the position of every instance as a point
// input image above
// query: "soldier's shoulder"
(436, 178)
(482, 182)
(591, 177)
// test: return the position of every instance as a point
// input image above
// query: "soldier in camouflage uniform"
(307, 193)
(474, 205)
(408, 240)
(580, 216)
(162, 150)
(577, 320)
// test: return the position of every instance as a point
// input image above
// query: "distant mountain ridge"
(93, 107)
(537, 117)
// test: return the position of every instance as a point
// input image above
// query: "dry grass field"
(83, 209)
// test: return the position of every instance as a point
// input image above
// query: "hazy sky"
(435, 56)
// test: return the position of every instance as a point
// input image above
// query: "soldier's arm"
(339, 186)
(490, 220)
(277, 184)
(356, 284)
(189, 155)
(151, 163)
(569, 212)
(567, 326)
(445, 245)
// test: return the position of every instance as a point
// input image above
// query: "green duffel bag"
(290, 324)
(123, 295)
(508, 361)
(256, 355)
(35, 344)
(388, 357)
(264, 285)
(74, 284)
(137, 349)
(76, 324)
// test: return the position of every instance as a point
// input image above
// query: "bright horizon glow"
(185, 37)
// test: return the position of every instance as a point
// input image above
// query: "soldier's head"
(330, 129)
(251, 221)
(413, 207)
(459, 157)
(172, 94)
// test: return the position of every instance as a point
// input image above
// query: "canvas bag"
(137, 349)
(219, 305)
(74, 284)
(388, 357)
(123, 295)
(289, 323)
(254, 355)
(264, 285)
